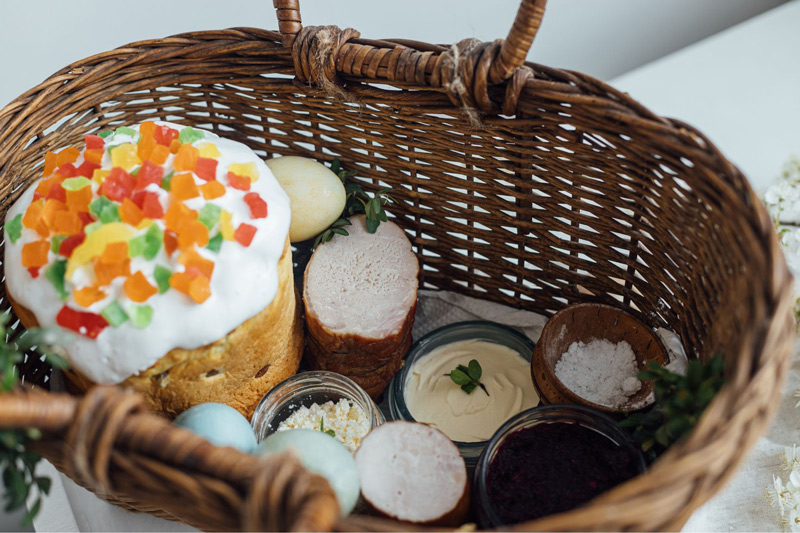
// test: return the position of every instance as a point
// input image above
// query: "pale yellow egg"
(315, 193)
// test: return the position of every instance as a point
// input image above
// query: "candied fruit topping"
(138, 289)
(88, 324)
(244, 234)
(122, 199)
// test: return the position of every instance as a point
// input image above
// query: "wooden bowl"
(584, 323)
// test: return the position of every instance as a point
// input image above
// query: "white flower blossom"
(786, 497)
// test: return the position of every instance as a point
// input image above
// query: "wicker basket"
(518, 183)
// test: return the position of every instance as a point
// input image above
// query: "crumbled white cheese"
(345, 418)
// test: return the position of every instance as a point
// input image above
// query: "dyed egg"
(315, 193)
(322, 454)
(220, 424)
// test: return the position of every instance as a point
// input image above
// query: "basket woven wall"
(518, 183)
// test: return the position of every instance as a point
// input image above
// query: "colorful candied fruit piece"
(50, 163)
(118, 185)
(215, 243)
(175, 146)
(151, 205)
(57, 192)
(99, 176)
(105, 134)
(86, 218)
(206, 169)
(34, 254)
(195, 233)
(186, 158)
(209, 215)
(193, 261)
(199, 289)
(136, 246)
(149, 173)
(108, 272)
(183, 187)
(125, 130)
(244, 234)
(178, 216)
(55, 275)
(55, 243)
(153, 239)
(166, 183)
(14, 228)
(162, 275)
(79, 200)
(130, 213)
(144, 149)
(114, 314)
(95, 243)
(258, 207)
(87, 169)
(125, 156)
(114, 252)
(164, 135)
(67, 156)
(245, 170)
(159, 155)
(236, 181)
(138, 289)
(69, 244)
(67, 170)
(66, 223)
(190, 135)
(86, 296)
(147, 128)
(88, 324)
(94, 142)
(94, 156)
(33, 214)
(140, 315)
(34, 272)
(170, 242)
(213, 189)
(209, 150)
(51, 207)
(43, 188)
(180, 281)
(226, 225)
(75, 184)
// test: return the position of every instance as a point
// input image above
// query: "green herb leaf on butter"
(468, 377)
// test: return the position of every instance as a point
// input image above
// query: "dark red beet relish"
(551, 468)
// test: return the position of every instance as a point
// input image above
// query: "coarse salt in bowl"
(584, 323)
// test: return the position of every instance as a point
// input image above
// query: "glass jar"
(305, 389)
(544, 414)
(460, 331)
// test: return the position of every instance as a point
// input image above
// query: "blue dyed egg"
(322, 454)
(220, 424)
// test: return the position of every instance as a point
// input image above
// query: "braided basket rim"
(618, 505)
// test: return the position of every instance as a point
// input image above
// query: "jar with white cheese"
(319, 400)
(423, 390)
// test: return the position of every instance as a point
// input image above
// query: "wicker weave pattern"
(576, 193)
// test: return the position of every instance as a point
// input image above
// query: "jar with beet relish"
(548, 460)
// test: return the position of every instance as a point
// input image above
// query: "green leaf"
(27, 520)
(44, 484)
(340, 231)
(468, 388)
(694, 373)
(336, 166)
(14, 228)
(475, 371)
(56, 361)
(330, 432)
(372, 225)
(459, 377)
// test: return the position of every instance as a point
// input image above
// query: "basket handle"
(513, 51)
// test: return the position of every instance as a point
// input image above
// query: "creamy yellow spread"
(433, 398)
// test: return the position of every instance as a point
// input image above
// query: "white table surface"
(742, 88)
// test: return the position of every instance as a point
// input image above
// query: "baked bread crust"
(237, 370)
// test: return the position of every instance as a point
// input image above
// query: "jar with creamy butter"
(424, 392)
